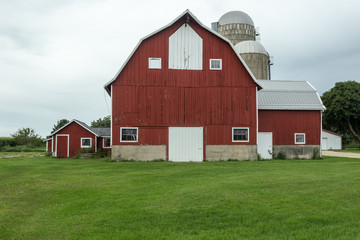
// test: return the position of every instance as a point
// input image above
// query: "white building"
(331, 140)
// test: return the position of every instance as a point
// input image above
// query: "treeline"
(23, 140)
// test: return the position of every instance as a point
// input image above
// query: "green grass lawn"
(48, 198)
(351, 150)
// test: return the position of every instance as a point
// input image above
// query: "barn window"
(129, 134)
(299, 138)
(240, 134)
(106, 142)
(215, 64)
(86, 142)
(154, 63)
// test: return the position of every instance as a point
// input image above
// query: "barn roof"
(288, 95)
(108, 84)
(99, 132)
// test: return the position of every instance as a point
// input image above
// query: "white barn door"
(186, 144)
(265, 144)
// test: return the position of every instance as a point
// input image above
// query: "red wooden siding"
(48, 144)
(62, 145)
(76, 132)
(283, 125)
(159, 98)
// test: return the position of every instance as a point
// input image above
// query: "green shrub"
(280, 155)
(316, 153)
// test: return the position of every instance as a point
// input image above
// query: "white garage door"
(265, 145)
(186, 144)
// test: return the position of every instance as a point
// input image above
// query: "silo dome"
(236, 17)
(255, 57)
(250, 47)
(236, 26)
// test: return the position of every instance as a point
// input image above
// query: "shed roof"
(288, 95)
(99, 132)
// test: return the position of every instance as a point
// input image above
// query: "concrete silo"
(255, 57)
(239, 28)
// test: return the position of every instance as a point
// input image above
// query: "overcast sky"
(56, 56)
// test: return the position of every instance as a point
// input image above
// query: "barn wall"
(76, 132)
(284, 124)
(155, 99)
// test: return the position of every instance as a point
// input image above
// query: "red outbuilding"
(76, 135)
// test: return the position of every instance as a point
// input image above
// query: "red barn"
(76, 135)
(185, 95)
(289, 119)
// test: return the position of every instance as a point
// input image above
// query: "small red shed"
(76, 135)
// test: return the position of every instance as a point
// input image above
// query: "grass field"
(352, 150)
(48, 198)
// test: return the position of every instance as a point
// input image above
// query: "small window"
(299, 138)
(240, 134)
(106, 142)
(85, 142)
(215, 64)
(129, 134)
(154, 63)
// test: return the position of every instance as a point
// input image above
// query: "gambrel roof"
(107, 85)
(288, 95)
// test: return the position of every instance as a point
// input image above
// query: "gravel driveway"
(340, 154)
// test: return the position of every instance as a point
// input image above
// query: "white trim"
(81, 143)
(52, 144)
(232, 134)
(321, 134)
(111, 116)
(103, 142)
(257, 117)
(168, 25)
(154, 59)
(68, 138)
(299, 134)
(213, 59)
(96, 143)
(137, 134)
(78, 122)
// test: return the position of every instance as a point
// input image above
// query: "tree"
(25, 136)
(60, 123)
(101, 123)
(342, 112)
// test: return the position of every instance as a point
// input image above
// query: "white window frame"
(137, 134)
(104, 142)
(155, 63)
(248, 134)
(211, 68)
(81, 142)
(295, 134)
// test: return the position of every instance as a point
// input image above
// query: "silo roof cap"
(250, 47)
(236, 17)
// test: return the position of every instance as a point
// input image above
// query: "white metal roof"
(235, 17)
(108, 84)
(250, 47)
(288, 95)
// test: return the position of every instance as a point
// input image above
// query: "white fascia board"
(74, 120)
(317, 95)
(168, 25)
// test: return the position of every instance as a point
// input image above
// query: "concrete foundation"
(226, 152)
(297, 151)
(138, 152)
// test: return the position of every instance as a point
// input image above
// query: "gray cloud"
(55, 56)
